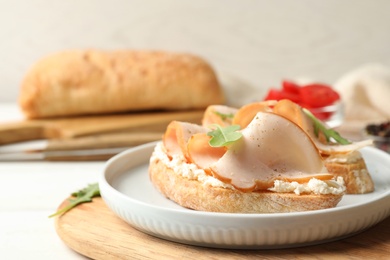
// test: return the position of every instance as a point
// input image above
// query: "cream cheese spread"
(189, 170)
(313, 186)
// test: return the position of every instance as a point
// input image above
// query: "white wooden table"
(29, 193)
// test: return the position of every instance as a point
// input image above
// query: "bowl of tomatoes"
(320, 99)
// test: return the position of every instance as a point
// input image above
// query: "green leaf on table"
(223, 136)
(81, 196)
(329, 133)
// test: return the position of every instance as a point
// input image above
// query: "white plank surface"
(258, 40)
(29, 193)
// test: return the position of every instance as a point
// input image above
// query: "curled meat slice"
(294, 113)
(246, 113)
(177, 135)
(201, 153)
(218, 114)
(271, 148)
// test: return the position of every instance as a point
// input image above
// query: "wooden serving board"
(72, 127)
(94, 231)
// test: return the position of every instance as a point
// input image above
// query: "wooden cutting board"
(94, 231)
(72, 127)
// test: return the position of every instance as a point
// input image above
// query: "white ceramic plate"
(126, 189)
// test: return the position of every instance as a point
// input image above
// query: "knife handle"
(103, 141)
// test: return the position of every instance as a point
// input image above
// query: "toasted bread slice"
(194, 194)
(353, 169)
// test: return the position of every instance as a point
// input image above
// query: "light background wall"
(258, 41)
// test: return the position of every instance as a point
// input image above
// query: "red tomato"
(318, 95)
(290, 87)
(322, 115)
(309, 96)
(275, 94)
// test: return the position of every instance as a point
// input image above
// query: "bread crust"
(355, 174)
(193, 194)
(79, 82)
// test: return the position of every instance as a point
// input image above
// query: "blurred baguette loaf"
(78, 82)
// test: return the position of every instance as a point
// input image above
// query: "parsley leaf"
(224, 116)
(223, 136)
(82, 196)
(329, 133)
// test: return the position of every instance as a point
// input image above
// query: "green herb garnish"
(224, 116)
(82, 196)
(329, 133)
(223, 136)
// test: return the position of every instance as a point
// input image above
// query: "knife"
(90, 148)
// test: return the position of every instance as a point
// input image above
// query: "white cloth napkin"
(365, 92)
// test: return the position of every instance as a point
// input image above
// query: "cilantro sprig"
(224, 136)
(81, 196)
(329, 133)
